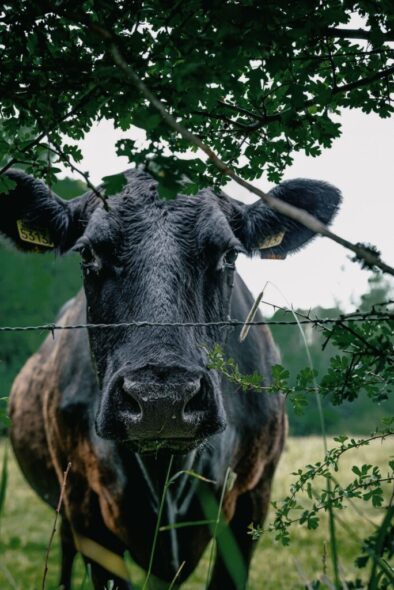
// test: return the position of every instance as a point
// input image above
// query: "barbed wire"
(356, 317)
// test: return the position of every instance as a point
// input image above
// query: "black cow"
(119, 402)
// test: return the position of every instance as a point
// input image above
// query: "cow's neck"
(175, 503)
(155, 471)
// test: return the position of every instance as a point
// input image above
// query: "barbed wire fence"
(378, 313)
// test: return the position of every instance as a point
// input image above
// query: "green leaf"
(6, 184)
(114, 183)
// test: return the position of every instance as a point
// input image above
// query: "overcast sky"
(360, 163)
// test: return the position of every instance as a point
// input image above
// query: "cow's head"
(162, 262)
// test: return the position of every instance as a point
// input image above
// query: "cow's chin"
(176, 446)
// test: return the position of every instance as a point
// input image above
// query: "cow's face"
(165, 263)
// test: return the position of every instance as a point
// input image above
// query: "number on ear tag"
(272, 256)
(272, 241)
(33, 235)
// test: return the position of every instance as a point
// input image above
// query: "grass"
(26, 525)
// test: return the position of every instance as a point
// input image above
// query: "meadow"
(26, 525)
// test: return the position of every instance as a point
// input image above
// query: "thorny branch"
(332, 458)
(369, 257)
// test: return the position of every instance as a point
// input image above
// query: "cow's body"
(119, 402)
(107, 490)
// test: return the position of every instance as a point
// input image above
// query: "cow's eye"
(230, 257)
(90, 262)
(86, 254)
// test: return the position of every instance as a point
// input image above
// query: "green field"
(26, 525)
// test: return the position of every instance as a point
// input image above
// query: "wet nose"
(163, 407)
(151, 397)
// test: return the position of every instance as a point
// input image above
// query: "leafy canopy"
(257, 81)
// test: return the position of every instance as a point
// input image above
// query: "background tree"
(255, 81)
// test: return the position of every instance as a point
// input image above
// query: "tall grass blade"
(85, 577)
(376, 557)
(9, 577)
(191, 473)
(331, 516)
(3, 481)
(53, 531)
(215, 530)
(178, 573)
(351, 533)
(158, 521)
(184, 524)
(223, 539)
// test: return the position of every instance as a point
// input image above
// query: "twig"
(343, 496)
(57, 150)
(368, 345)
(320, 468)
(57, 512)
(348, 54)
(355, 34)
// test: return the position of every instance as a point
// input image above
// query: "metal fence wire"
(356, 317)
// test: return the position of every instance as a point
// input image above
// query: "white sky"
(360, 163)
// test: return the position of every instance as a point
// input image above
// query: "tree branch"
(264, 120)
(368, 256)
(336, 32)
(221, 118)
(364, 81)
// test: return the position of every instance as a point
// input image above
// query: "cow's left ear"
(274, 235)
(35, 219)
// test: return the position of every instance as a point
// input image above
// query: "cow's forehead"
(199, 220)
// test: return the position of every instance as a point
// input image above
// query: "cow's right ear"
(37, 220)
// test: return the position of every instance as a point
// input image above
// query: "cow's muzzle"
(160, 407)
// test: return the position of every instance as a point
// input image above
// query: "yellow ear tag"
(272, 241)
(34, 235)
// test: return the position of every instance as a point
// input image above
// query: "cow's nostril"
(131, 389)
(197, 398)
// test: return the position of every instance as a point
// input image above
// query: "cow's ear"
(274, 235)
(34, 218)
